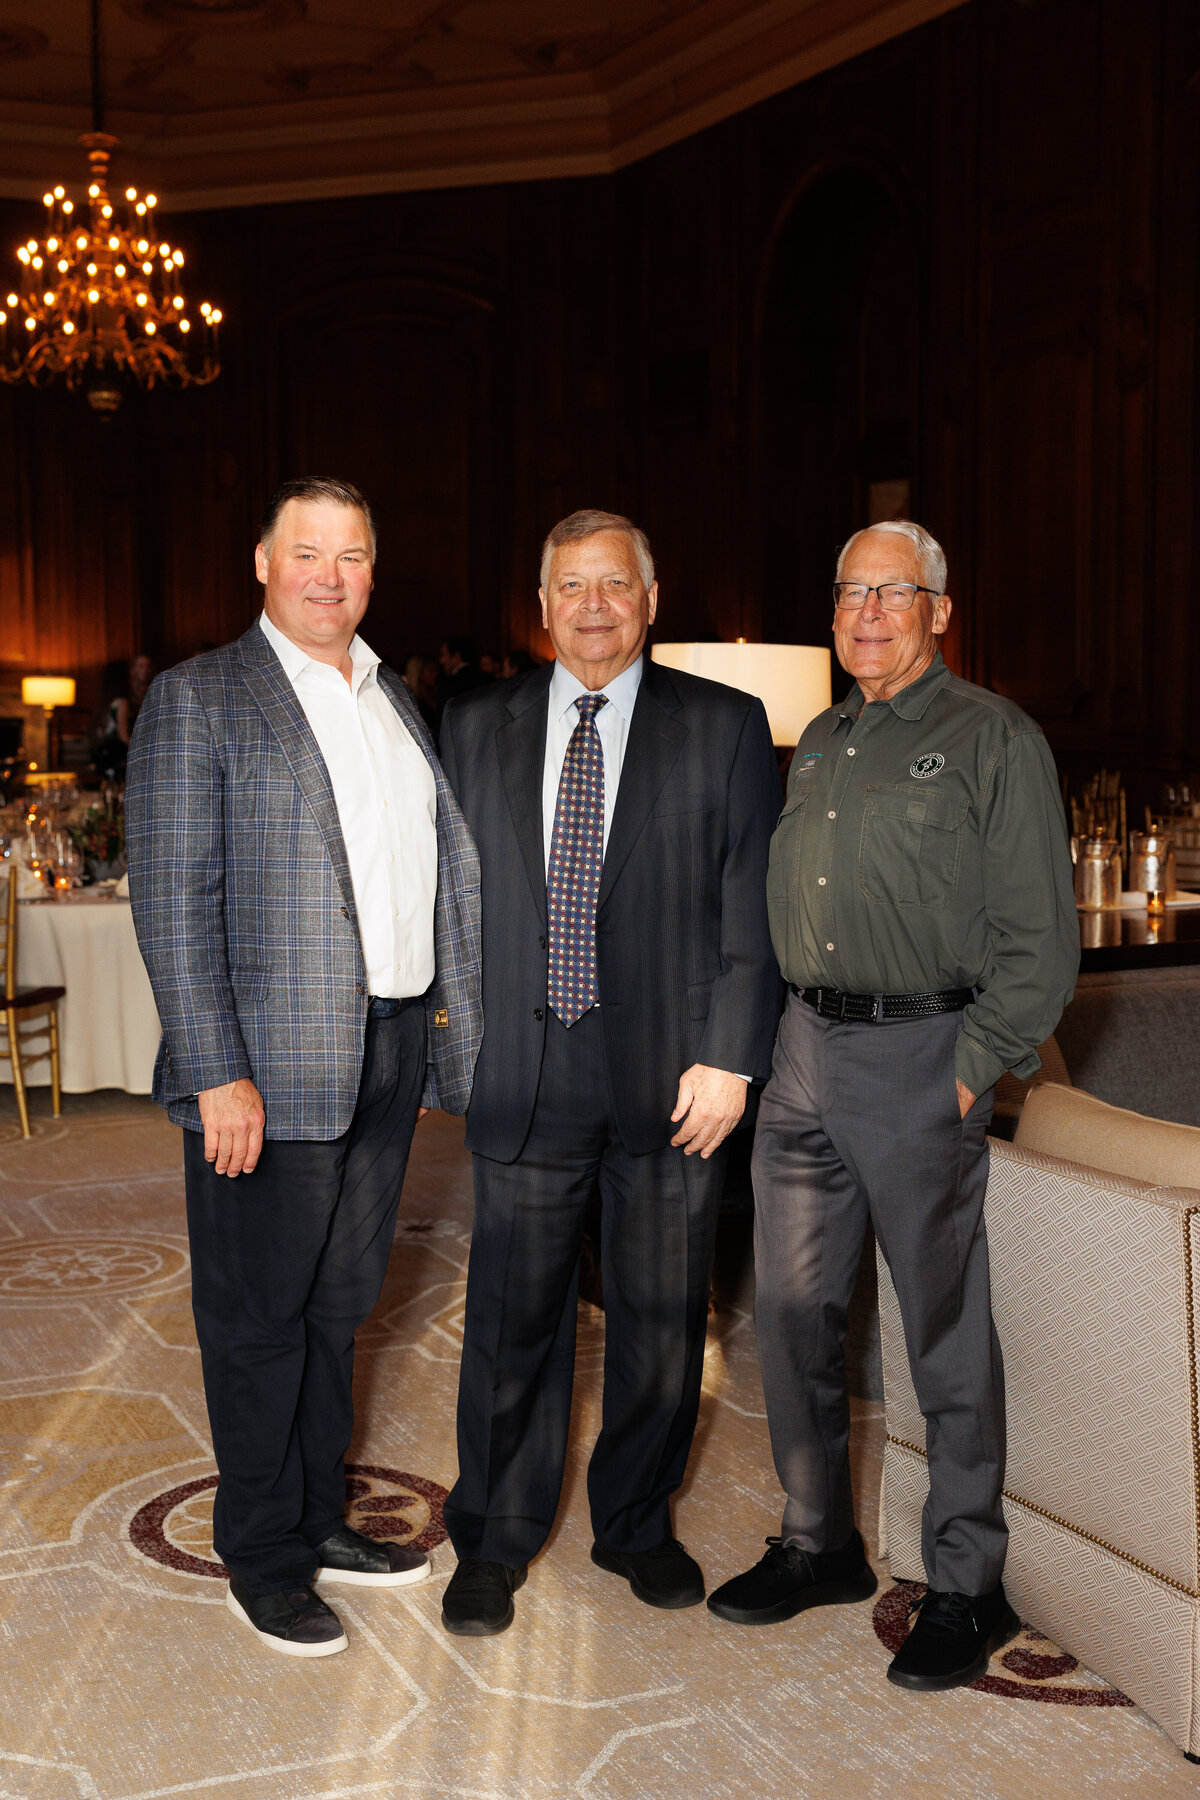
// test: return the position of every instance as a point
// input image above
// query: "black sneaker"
(788, 1580)
(665, 1576)
(952, 1639)
(348, 1557)
(478, 1598)
(294, 1622)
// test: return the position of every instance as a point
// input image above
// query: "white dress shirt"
(612, 723)
(386, 801)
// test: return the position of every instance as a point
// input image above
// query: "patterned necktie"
(576, 858)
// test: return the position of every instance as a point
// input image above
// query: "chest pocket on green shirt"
(783, 862)
(911, 844)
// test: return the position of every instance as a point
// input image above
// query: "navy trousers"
(286, 1265)
(659, 1215)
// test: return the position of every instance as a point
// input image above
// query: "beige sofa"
(1093, 1218)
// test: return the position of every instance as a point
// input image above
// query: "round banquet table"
(108, 1027)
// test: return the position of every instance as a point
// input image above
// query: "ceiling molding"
(704, 65)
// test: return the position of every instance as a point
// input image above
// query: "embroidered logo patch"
(933, 764)
(811, 759)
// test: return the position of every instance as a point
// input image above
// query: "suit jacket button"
(537, 1013)
(361, 988)
(542, 942)
(345, 912)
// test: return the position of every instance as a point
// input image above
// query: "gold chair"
(37, 1007)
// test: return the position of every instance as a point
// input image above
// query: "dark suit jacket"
(687, 973)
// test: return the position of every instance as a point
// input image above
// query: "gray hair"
(316, 488)
(932, 558)
(586, 524)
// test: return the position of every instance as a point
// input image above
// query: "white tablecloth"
(108, 1028)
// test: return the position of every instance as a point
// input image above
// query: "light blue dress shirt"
(612, 723)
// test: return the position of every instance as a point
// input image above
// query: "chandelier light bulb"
(151, 200)
(93, 192)
(91, 269)
(205, 308)
(47, 199)
(68, 328)
(68, 206)
(48, 298)
(141, 299)
(131, 193)
(52, 243)
(147, 268)
(120, 269)
(93, 295)
(63, 266)
(23, 254)
(151, 327)
(141, 209)
(59, 192)
(31, 324)
(37, 262)
(184, 324)
(81, 243)
(12, 299)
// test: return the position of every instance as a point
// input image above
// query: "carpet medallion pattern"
(124, 1678)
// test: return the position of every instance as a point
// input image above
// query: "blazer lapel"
(656, 737)
(276, 699)
(521, 748)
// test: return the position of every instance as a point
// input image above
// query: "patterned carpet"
(124, 1678)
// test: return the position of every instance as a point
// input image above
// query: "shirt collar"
(912, 701)
(621, 692)
(295, 660)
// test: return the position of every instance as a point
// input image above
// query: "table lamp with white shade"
(791, 680)
(49, 691)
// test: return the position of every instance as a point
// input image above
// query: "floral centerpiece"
(99, 837)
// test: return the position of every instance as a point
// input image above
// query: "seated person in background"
(922, 911)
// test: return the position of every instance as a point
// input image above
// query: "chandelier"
(100, 299)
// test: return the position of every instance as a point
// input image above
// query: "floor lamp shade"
(48, 690)
(791, 680)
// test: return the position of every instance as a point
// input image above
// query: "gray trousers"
(857, 1122)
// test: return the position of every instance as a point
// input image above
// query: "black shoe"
(665, 1576)
(952, 1639)
(294, 1622)
(789, 1579)
(347, 1556)
(478, 1598)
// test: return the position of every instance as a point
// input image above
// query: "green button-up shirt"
(923, 846)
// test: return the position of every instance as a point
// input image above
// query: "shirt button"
(820, 881)
(833, 815)
(852, 753)
(829, 946)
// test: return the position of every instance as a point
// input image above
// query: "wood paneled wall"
(966, 261)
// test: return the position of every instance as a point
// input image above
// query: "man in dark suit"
(622, 814)
(306, 897)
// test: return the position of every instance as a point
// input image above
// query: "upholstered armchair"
(1093, 1218)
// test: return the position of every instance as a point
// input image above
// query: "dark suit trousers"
(286, 1264)
(514, 1400)
(857, 1122)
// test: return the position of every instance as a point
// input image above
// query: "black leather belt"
(382, 1006)
(873, 1009)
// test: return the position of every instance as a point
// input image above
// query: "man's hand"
(710, 1104)
(422, 1111)
(966, 1099)
(233, 1120)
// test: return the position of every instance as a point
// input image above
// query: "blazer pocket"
(249, 985)
(700, 998)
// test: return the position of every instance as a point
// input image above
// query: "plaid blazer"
(244, 908)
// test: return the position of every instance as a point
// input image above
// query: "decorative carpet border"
(1056, 1519)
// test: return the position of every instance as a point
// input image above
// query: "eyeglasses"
(894, 596)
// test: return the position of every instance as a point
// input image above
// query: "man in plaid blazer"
(306, 896)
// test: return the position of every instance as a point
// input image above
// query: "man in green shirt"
(921, 908)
